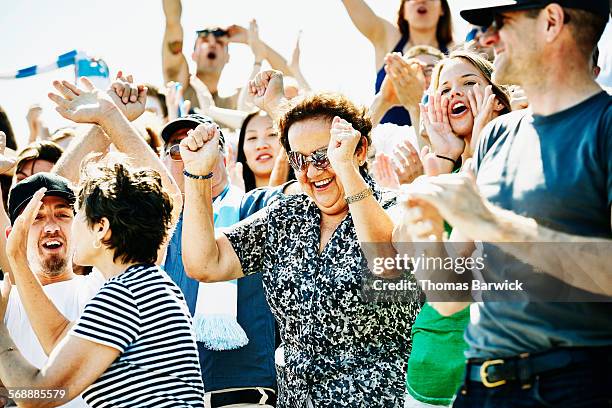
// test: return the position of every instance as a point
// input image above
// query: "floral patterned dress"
(339, 349)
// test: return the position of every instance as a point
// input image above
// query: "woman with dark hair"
(258, 149)
(419, 22)
(340, 348)
(133, 345)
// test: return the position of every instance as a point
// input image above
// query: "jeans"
(577, 385)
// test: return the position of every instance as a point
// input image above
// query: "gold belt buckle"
(483, 373)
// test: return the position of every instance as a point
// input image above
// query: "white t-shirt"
(70, 297)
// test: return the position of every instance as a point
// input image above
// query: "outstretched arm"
(90, 105)
(174, 63)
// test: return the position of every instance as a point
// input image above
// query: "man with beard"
(49, 260)
(210, 53)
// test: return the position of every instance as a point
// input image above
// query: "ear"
(362, 150)
(8, 231)
(553, 15)
(497, 105)
(102, 229)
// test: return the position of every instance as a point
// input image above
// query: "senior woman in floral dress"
(339, 349)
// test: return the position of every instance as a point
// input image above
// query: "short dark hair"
(40, 150)
(326, 106)
(135, 203)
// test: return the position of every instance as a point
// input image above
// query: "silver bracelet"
(359, 196)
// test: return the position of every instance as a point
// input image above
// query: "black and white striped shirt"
(143, 314)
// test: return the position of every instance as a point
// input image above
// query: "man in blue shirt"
(543, 176)
(245, 375)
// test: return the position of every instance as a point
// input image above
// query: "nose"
(489, 38)
(262, 143)
(51, 226)
(312, 171)
(455, 91)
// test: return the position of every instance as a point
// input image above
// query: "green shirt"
(436, 364)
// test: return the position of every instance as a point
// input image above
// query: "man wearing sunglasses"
(244, 375)
(543, 177)
(210, 53)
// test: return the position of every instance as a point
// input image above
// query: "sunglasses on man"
(300, 162)
(215, 32)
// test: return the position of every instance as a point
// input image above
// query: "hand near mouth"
(482, 105)
(17, 242)
(435, 118)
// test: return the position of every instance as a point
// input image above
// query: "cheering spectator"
(258, 150)
(37, 157)
(48, 261)
(116, 206)
(356, 350)
(419, 22)
(457, 111)
(210, 54)
(559, 358)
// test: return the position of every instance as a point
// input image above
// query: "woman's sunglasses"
(300, 162)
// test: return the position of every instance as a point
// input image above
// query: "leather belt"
(493, 373)
(246, 396)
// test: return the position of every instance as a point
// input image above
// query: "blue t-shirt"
(253, 364)
(556, 169)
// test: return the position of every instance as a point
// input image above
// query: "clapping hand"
(255, 43)
(408, 164)
(407, 77)
(482, 105)
(82, 105)
(131, 99)
(384, 173)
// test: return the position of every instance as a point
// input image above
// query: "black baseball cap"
(483, 16)
(22, 192)
(190, 121)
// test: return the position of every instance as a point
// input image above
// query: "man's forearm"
(94, 141)
(49, 324)
(591, 269)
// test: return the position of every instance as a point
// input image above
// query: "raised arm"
(205, 257)
(94, 141)
(90, 105)
(373, 27)
(174, 63)
(49, 324)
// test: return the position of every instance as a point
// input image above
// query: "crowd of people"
(178, 248)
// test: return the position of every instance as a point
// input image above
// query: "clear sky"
(127, 35)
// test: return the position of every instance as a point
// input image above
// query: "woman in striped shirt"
(133, 344)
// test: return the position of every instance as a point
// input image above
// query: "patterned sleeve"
(248, 238)
(111, 318)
